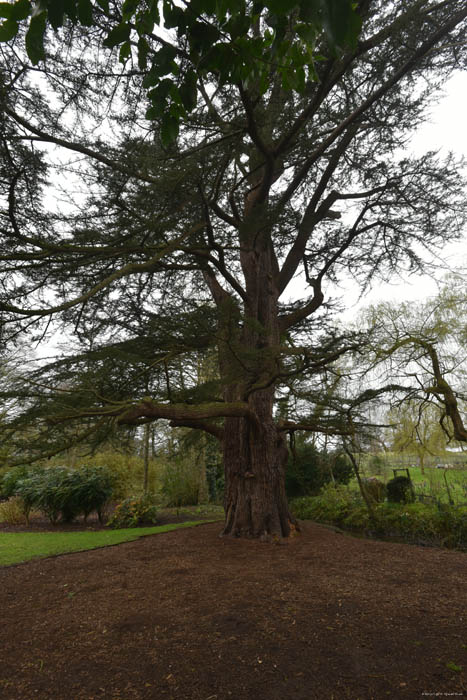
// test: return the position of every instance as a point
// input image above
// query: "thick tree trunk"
(255, 459)
(255, 452)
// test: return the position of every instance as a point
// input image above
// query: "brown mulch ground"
(189, 616)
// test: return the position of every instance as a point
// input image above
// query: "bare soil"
(189, 616)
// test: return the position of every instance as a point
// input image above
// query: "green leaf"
(8, 30)
(85, 12)
(56, 11)
(35, 38)
(125, 51)
(310, 11)
(238, 25)
(163, 62)
(143, 50)
(151, 78)
(281, 7)
(174, 16)
(222, 7)
(169, 130)
(306, 32)
(203, 7)
(152, 114)
(341, 23)
(203, 34)
(188, 91)
(21, 10)
(129, 8)
(145, 22)
(5, 9)
(69, 8)
(118, 35)
(159, 95)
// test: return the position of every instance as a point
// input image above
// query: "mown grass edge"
(18, 548)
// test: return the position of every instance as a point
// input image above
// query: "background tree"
(166, 250)
(417, 431)
(423, 346)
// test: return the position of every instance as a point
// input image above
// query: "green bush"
(12, 477)
(376, 465)
(400, 490)
(414, 522)
(133, 512)
(332, 505)
(90, 488)
(180, 484)
(61, 492)
(309, 470)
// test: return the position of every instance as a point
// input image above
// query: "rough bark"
(254, 461)
(255, 453)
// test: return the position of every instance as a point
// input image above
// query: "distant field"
(431, 483)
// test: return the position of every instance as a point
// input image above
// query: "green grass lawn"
(17, 547)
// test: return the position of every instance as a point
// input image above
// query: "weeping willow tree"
(161, 207)
(423, 346)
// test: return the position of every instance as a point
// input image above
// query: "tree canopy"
(177, 44)
(223, 236)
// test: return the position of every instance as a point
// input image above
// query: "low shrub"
(133, 512)
(333, 505)
(400, 490)
(61, 492)
(309, 469)
(12, 511)
(11, 478)
(440, 525)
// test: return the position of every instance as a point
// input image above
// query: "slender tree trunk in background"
(421, 458)
(147, 435)
(366, 498)
(203, 491)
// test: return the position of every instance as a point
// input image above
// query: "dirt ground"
(189, 616)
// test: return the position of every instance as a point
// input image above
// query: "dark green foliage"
(376, 464)
(399, 490)
(11, 478)
(414, 522)
(309, 470)
(221, 39)
(61, 492)
(133, 512)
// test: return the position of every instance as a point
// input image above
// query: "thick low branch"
(207, 427)
(135, 414)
